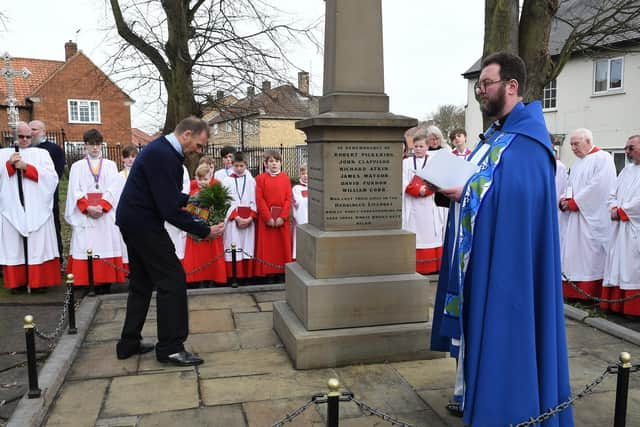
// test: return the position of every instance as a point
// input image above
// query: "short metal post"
(71, 308)
(333, 403)
(622, 390)
(32, 369)
(234, 268)
(92, 289)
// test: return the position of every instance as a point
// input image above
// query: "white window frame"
(608, 89)
(228, 126)
(77, 104)
(546, 96)
(618, 151)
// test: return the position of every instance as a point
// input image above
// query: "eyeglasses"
(481, 86)
(24, 136)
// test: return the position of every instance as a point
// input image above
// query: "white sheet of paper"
(446, 170)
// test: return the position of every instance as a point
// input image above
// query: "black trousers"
(153, 264)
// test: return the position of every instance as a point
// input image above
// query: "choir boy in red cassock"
(240, 227)
(199, 253)
(273, 196)
(458, 138)
(89, 211)
(32, 222)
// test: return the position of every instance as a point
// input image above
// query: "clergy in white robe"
(300, 200)
(419, 211)
(240, 228)
(586, 220)
(129, 153)
(562, 180)
(178, 236)
(89, 211)
(622, 266)
(33, 221)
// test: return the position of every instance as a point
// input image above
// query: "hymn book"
(446, 170)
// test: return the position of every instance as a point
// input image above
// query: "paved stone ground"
(247, 378)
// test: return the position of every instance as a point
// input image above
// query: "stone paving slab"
(245, 362)
(248, 380)
(373, 384)
(214, 342)
(204, 321)
(260, 320)
(99, 361)
(267, 412)
(216, 416)
(147, 394)
(78, 404)
(303, 384)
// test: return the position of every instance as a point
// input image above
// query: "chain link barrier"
(59, 327)
(205, 265)
(597, 299)
(110, 264)
(320, 398)
(261, 261)
(424, 261)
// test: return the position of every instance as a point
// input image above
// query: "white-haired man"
(30, 222)
(585, 218)
(621, 272)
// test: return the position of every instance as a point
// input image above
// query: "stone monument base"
(345, 346)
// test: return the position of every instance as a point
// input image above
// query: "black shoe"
(183, 358)
(18, 290)
(142, 349)
(455, 408)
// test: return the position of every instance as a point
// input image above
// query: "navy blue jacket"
(153, 193)
(57, 155)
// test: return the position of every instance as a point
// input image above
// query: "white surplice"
(586, 232)
(177, 236)
(622, 266)
(101, 235)
(243, 191)
(300, 202)
(35, 219)
(420, 214)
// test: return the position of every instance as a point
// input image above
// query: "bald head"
(24, 135)
(37, 131)
(632, 149)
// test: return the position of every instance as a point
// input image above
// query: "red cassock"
(201, 253)
(273, 245)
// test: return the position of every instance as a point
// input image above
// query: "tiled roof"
(41, 69)
(283, 102)
(574, 11)
(140, 137)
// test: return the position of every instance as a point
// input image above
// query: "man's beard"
(493, 107)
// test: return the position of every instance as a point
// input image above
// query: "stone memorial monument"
(353, 295)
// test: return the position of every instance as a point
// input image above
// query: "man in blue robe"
(499, 306)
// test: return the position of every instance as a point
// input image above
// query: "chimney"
(219, 95)
(70, 49)
(266, 85)
(251, 91)
(303, 82)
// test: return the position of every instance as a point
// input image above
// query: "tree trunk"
(535, 27)
(500, 26)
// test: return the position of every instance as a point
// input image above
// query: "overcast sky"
(427, 45)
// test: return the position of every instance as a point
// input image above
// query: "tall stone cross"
(9, 74)
(353, 294)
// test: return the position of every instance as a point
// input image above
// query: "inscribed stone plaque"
(355, 185)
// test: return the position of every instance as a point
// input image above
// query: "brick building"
(74, 95)
(266, 119)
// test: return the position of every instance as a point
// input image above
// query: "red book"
(275, 212)
(93, 199)
(305, 193)
(244, 211)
